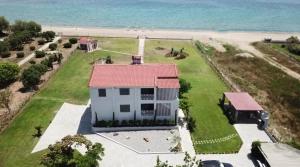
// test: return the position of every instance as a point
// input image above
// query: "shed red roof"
(242, 101)
(83, 40)
(145, 75)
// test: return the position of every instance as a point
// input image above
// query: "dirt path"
(248, 47)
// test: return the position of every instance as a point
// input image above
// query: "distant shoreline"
(214, 38)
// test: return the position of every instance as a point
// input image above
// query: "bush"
(124, 123)
(47, 62)
(185, 86)
(294, 48)
(292, 39)
(15, 42)
(41, 42)
(67, 45)
(116, 123)
(138, 122)
(131, 122)
(8, 73)
(60, 41)
(20, 54)
(5, 54)
(48, 35)
(32, 48)
(30, 78)
(40, 54)
(32, 62)
(191, 124)
(73, 40)
(3, 47)
(41, 68)
(53, 46)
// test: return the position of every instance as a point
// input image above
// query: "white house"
(134, 92)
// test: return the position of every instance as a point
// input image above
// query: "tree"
(30, 78)
(30, 26)
(41, 68)
(5, 97)
(8, 73)
(62, 153)
(292, 39)
(188, 162)
(73, 40)
(4, 24)
(48, 35)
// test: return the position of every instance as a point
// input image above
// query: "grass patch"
(280, 54)
(69, 84)
(207, 88)
(275, 90)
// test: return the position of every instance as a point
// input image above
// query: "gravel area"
(145, 141)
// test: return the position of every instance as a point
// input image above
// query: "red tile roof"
(83, 40)
(145, 75)
(242, 101)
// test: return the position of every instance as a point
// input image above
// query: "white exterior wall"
(106, 106)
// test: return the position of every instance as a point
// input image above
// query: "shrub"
(15, 42)
(40, 54)
(131, 122)
(109, 124)
(30, 78)
(47, 62)
(41, 42)
(191, 124)
(41, 68)
(5, 54)
(8, 73)
(32, 62)
(67, 45)
(294, 48)
(101, 123)
(38, 131)
(146, 122)
(48, 35)
(32, 48)
(124, 123)
(3, 47)
(185, 86)
(108, 60)
(60, 41)
(53, 46)
(138, 122)
(116, 123)
(292, 39)
(20, 54)
(73, 40)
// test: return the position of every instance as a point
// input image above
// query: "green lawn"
(69, 84)
(207, 88)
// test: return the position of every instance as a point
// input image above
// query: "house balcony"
(147, 96)
(147, 112)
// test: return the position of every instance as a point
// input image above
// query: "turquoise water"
(220, 15)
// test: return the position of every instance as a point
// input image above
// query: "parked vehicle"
(215, 163)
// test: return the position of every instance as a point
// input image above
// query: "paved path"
(66, 122)
(73, 119)
(141, 47)
(26, 59)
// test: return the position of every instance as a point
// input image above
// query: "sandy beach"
(206, 36)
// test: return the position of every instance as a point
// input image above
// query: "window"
(147, 109)
(124, 91)
(125, 108)
(163, 109)
(102, 92)
(147, 106)
(147, 91)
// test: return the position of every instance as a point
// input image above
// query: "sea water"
(219, 15)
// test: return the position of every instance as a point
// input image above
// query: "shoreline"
(214, 38)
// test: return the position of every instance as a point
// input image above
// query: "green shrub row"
(134, 123)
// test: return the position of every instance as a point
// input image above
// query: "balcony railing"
(147, 112)
(147, 96)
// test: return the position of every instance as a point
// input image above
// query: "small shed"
(242, 107)
(88, 44)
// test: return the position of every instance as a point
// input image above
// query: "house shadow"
(85, 126)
